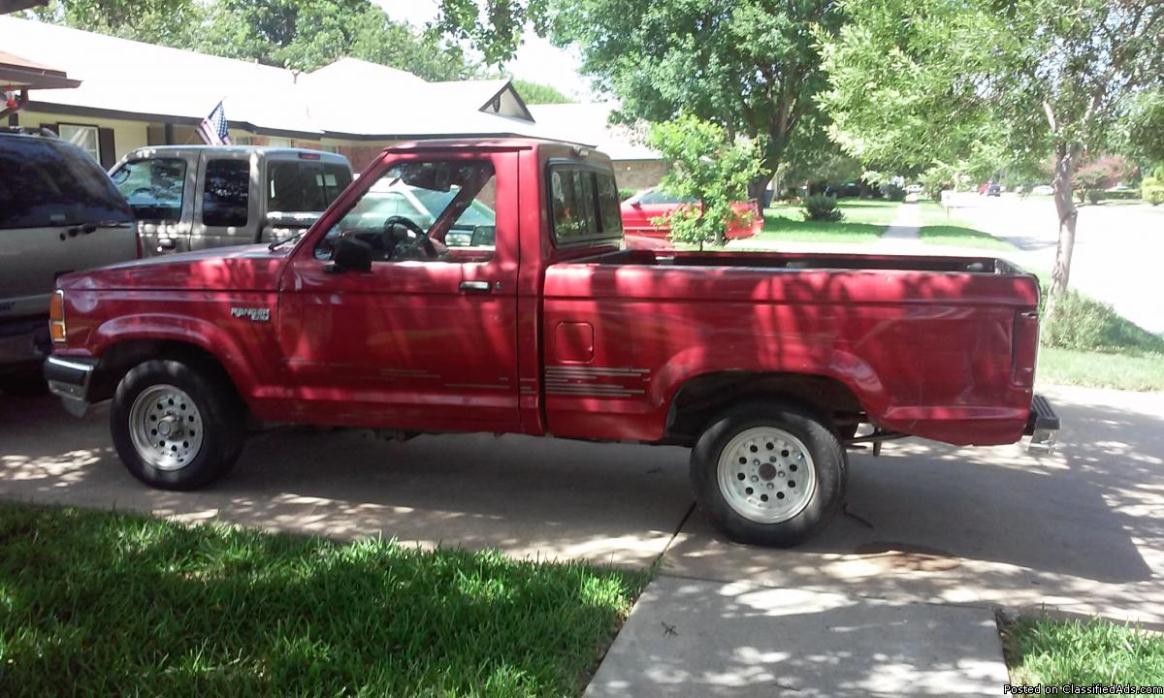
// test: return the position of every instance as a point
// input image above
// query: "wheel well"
(701, 398)
(120, 358)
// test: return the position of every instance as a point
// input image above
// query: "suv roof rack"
(27, 131)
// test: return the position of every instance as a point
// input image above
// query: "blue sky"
(536, 60)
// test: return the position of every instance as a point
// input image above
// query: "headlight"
(57, 318)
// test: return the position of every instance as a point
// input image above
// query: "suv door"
(158, 190)
(226, 204)
(59, 212)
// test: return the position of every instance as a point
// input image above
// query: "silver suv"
(188, 197)
(58, 213)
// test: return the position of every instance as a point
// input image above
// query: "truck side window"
(424, 211)
(153, 187)
(226, 193)
(583, 204)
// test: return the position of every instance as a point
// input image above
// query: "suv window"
(48, 183)
(295, 186)
(226, 192)
(583, 204)
(153, 186)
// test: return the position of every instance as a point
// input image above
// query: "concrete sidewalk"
(696, 638)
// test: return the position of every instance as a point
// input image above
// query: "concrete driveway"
(897, 593)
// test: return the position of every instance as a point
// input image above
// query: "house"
(133, 94)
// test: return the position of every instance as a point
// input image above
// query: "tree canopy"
(750, 66)
(297, 34)
(537, 93)
(985, 84)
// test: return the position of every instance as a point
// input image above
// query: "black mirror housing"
(351, 255)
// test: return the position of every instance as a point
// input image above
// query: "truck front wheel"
(769, 474)
(176, 426)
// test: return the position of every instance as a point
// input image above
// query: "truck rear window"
(583, 204)
(297, 186)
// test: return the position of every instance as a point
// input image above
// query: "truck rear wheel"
(176, 426)
(769, 474)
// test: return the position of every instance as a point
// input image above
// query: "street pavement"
(1118, 248)
(896, 596)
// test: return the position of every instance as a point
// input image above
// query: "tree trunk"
(758, 186)
(1065, 162)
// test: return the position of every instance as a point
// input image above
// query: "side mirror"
(351, 255)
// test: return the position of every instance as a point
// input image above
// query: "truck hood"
(249, 268)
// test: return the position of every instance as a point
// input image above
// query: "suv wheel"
(175, 426)
(769, 474)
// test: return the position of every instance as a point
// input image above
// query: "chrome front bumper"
(69, 379)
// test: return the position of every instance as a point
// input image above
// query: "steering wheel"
(411, 241)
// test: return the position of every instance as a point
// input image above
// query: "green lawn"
(96, 603)
(939, 227)
(864, 222)
(1048, 652)
(1101, 370)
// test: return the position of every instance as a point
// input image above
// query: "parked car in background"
(915, 189)
(59, 213)
(1043, 190)
(194, 197)
(994, 189)
(644, 218)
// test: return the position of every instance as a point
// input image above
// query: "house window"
(84, 137)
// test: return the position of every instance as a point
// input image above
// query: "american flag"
(213, 128)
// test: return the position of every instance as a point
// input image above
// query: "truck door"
(427, 339)
(226, 204)
(160, 192)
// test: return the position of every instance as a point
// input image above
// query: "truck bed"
(938, 347)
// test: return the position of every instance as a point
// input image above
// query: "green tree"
(751, 66)
(303, 35)
(165, 22)
(537, 93)
(991, 84)
(1142, 136)
(707, 166)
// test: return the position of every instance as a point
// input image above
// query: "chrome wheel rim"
(166, 427)
(766, 475)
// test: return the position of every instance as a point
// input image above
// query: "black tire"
(222, 422)
(829, 465)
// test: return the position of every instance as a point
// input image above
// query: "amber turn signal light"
(57, 317)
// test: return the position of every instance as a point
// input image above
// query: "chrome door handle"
(474, 287)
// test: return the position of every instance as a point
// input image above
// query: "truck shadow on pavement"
(922, 512)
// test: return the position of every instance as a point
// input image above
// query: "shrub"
(892, 192)
(1152, 188)
(822, 207)
(1085, 324)
(624, 194)
(1094, 196)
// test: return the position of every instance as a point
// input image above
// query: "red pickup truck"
(510, 306)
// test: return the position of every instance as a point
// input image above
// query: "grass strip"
(1096, 651)
(96, 603)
